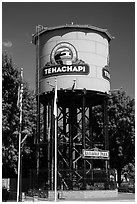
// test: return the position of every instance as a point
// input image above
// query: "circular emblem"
(63, 54)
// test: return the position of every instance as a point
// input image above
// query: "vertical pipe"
(45, 122)
(106, 123)
(56, 141)
(83, 134)
(47, 137)
(72, 134)
(70, 142)
(83, 119)
(56, 169)
(19, 170)
(90, 126)
(91, 130)
(52, 143)
(105, 114)
(38, 104)
(37, 146)
(64, 132)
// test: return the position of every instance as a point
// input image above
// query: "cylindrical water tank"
(73, 54)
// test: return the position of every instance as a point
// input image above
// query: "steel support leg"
(72, 133)
(105, 120)
(84, 136)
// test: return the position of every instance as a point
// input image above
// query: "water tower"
(77, 57)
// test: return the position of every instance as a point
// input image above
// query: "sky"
(19, 21)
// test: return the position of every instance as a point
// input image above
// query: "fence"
(95, 179)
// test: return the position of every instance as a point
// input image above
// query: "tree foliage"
(10, 117)
(10, 82)
(121, 128)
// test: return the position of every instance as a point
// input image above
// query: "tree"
(121, 112)
(10, 80)
(121, 129)
(10, 118)
(28, 129)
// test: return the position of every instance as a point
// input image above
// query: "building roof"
(41, 29)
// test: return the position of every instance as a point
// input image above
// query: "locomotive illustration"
(63, 56)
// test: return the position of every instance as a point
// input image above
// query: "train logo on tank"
(63, 54)
(64, 61)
